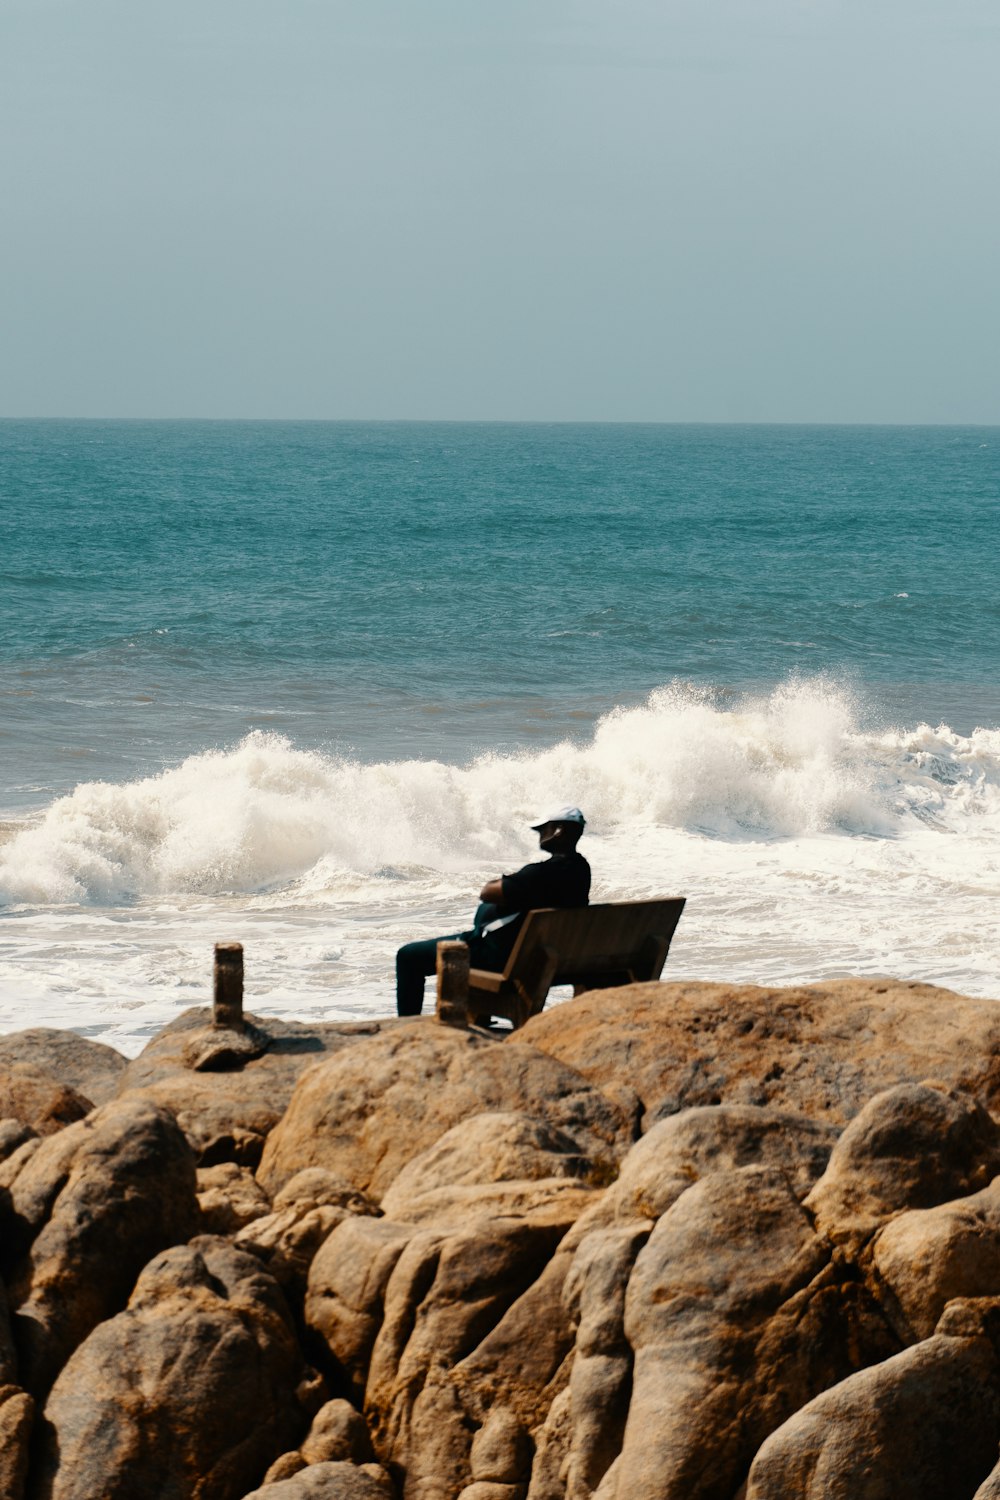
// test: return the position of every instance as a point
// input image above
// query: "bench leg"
(453, 984)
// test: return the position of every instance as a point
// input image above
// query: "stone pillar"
(227, 1002)
(453, 983)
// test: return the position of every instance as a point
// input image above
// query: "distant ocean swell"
(265, 816)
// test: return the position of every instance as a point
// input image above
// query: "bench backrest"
(592, 940)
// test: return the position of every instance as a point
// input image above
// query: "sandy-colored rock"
(736, 1314)
(494, 1166)
(190, 1392)
(552, 1440)
(925, 1259)
(682, 1149)
(818, 1050)
(449, 1294)
(600, 1382)
(17, 1414)
(92, 1069)
(912, 1146)
(330, 1481)
(285, 1467)
(229, 1197)
(38, 1100)
(90, 1208)
(338, 1434)
(13, 1135)
(369, 1111)
(486, 1148)
(226, 1110)
(501, 1449)
(306, 1211)
(345, 1294)
(449, 1208)
(923, 1425)
(490, 1489)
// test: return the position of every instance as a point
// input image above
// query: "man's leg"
(414, 962)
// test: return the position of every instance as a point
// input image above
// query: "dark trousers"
(415, 961)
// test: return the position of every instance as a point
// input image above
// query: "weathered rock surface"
(920, 1426)
(818, 1050)
(89, 1068)
(792, 1291)
(369, 1111)
(13, 1135)
(190, 1392)
(736, 1314)
(230, 1198)
(338, 1435)
(228, 1099)
(495, 1165)
(86, 1212)
(913, 1146)
(483, 1150)
(38, 1100)
(305, 1212)
(330, 1481)
(682, 1149)
(923, 1260)
(17, 1412)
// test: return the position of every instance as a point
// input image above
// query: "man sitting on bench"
(561, 880)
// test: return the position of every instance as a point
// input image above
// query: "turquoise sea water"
(429, 589)
(327, 670)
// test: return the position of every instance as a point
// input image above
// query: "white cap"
(563, 815)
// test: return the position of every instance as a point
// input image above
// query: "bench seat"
(589, 947)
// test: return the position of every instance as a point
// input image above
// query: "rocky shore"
(668, 1242)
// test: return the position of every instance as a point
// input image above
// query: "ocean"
(306, 685)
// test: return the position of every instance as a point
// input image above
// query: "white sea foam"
(807, 845)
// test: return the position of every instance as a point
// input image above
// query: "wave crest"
(789, 764)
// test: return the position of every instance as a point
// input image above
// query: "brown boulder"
(681, 1149)
(305, 1212)
(345, 1294)
(493, 1166)
(913, 1146)
(13, 1135)
(369, 1111)
(17, 1415)
(600, 1382)
(338, 1435)
(735, 1313)
(483, 1150)
(90, 1068)
(228, 1090)
(447, 1294)
(229, 1197)
(88, 1210)
(330, 1481)
(188, 1392)
(38, 1100)
(921, 1426)
(817, 1050)
(923, 1260)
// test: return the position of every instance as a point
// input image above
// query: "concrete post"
(227, 1002)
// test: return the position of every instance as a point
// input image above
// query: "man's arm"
(493, 891)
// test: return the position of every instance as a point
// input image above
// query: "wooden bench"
(589, 947)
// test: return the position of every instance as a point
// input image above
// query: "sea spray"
(265, 814)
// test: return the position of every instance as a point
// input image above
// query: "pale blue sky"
(719, 210)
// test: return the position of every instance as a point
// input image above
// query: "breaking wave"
(263, 814)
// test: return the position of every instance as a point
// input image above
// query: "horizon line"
(514, 421)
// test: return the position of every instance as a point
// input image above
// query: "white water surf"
(808, 847)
